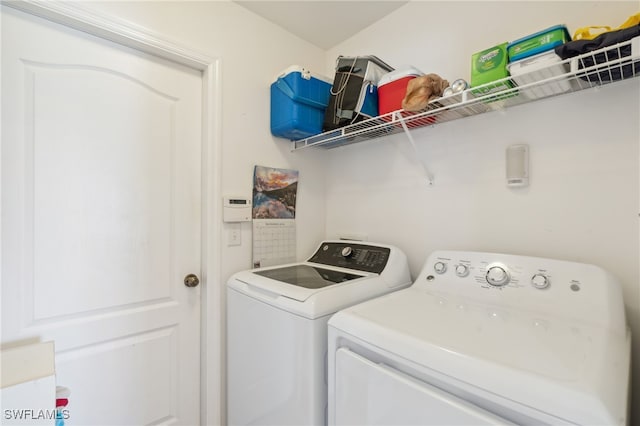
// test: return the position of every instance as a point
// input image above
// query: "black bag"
(354, 95)
(579, 47)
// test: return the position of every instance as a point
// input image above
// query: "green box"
(495, 88)
(489, 65)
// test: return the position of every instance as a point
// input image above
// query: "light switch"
(234, 236)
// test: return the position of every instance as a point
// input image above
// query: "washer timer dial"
(497, 276)
(347, 251)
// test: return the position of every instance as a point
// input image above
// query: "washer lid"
(307, 276)
(298, 281)
(568, 369)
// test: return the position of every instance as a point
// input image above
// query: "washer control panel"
(348, 254)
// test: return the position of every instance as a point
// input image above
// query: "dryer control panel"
(348, 254)
(561, 288)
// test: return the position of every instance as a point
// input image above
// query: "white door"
(367, 393)
(101, 219)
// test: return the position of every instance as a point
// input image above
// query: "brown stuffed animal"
(421, 90)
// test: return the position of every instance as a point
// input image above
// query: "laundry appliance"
(484, 339)
(277, 328)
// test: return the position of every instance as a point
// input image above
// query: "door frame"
(126, 34)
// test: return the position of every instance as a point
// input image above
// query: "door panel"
(119, 206)
(123, 366)
(101, 219)
(376, 394)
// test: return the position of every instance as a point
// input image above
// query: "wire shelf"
(594, 69)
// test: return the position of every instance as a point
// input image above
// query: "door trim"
(129, 35)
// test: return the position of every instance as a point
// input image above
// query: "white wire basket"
(593, 69)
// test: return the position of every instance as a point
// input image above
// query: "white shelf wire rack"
(594, 69)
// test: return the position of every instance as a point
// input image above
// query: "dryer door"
(376, 394)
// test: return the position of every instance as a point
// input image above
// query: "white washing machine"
(277, 328)
(484, 339)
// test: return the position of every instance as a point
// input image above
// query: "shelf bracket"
(427, 174)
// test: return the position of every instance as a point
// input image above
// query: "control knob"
(497, 276)
(440, 267)
(540, 281)
(347, 251)
(462, 270)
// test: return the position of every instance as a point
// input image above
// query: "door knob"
(191, 280)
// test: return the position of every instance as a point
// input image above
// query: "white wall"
(583, 199)
(252, 52)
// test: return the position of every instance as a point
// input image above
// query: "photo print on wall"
(274, 211)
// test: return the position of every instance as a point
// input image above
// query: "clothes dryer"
(277, 328)
(485, 339)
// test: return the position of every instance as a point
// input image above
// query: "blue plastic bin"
(298, 102)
